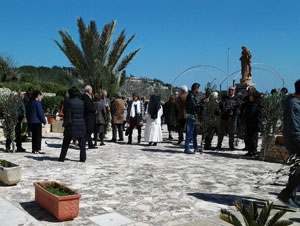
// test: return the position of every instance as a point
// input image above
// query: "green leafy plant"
(10, 106)
(52, 104)
(5, 163)
(57, 189)
(271, 117)
(252, 217)
(208, 119)
(98, 61)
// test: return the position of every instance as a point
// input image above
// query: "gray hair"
(87, 88)
(184, 88)
(104, 91)
(214, 95)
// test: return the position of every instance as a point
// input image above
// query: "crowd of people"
(86, 114)
(87, 117)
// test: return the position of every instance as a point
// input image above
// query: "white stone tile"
(111, 219)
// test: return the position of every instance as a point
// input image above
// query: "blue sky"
(174, 35)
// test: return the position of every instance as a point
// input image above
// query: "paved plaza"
(141, 185)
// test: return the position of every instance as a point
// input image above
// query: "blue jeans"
(191, 133)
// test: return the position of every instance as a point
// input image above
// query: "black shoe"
(34, 152)
(218, 147)
(209, 147)
(231, 148)
(81, 160)
(150, 143)
(102, 144)
(40, 152)
(139, 141)
(7, 150)
(170, 138)
(113, 140)
(179, 142)
(121, 140)
(249, 154)
(129, 142)
(61, 160)
(21, 150)
(155, 144)
(92, 147)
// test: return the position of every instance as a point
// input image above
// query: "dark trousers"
(228, 125)
(293, 184)
(18, 137)
(65, 146)
(252, 138)
(209, 136)
(36, 129)
(181, 125)
(88, 138)
(118, 127)
(130, 130)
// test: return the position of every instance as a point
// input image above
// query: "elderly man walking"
(117, 114)
(291, 141)
(89, 114)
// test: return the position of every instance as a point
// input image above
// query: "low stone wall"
(274, 152)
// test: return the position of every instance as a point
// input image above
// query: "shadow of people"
(162, 151)
(227, 199)
(38, 212)
(42, 158)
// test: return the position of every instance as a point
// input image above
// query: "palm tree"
(251, 216)
(98, 61)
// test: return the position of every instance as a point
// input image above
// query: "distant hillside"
(145, 87)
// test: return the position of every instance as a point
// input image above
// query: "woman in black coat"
(74, 124)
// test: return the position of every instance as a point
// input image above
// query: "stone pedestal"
(274, 152)
(56, 127)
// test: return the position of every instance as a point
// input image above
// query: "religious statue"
(246, 59)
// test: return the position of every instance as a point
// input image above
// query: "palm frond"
(126, 60)
(229, 218)
(116, 51)
(105, 40)
(283, 223)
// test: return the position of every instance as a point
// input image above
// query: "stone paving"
(148, 185)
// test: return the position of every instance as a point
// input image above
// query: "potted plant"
(58, 199)
(10, 173)
(51, 106)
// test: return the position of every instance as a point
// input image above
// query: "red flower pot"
(62, 207)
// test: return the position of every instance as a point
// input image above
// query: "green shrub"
(62, 92)
(52, 105)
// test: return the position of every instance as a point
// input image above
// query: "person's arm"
(40, 112)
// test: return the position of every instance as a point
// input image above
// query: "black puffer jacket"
(89, 113)
(74, 122)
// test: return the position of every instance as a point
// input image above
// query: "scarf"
(138, 108)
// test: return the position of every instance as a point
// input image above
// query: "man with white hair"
(89, 114)
(181, 112)
(214, 113)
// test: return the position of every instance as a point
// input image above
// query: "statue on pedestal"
(246, 59)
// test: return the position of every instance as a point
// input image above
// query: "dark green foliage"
(56, 189)
(272, 114)
(63, 76)
(52, 105)
(252, 217)
(10, 106)
(7, 73)
(98, 61)
(5, 163)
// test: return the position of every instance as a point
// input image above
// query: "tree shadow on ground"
(297, 220)
(229, 200)
(38, 212)
(162, 151)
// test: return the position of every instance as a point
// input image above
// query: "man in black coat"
(74, 124)
(229, 110)
(89, 114)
